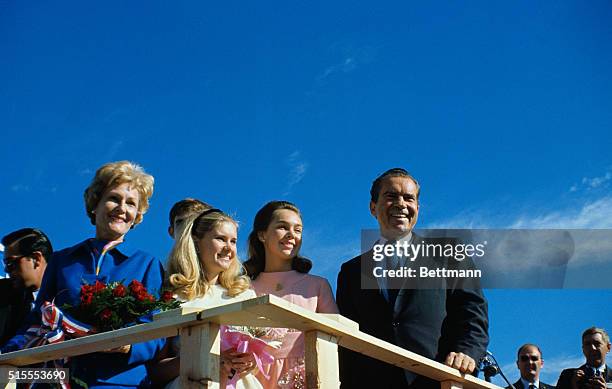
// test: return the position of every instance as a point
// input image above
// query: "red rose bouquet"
(111, 306)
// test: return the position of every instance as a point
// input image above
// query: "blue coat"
(65, 274)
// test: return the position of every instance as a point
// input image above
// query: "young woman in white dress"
(204, 271)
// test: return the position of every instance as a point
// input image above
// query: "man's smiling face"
(397, 207)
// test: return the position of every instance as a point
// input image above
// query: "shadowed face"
(595, 349)
(530, 363)
(24, 270)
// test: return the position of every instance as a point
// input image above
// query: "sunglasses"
(526, 358)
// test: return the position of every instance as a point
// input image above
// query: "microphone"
(489, 366)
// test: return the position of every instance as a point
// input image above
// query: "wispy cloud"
(590, 183)
(297, 170)
(592, 214)
(345, 66)
(20, 188)
(350, 59)
(571, 239)
(114, 149)
(328, 257)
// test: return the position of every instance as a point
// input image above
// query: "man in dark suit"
(25, 260)
(446, 324)
(529, 362)
(594, 374)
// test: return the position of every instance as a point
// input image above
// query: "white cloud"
(114, 149)
(327, 258)
(572, 239)
(591, 183)
(350, 58)
(553, 366)
(347, 65)
(1, 248)
(596, 182)
(589, 214)
(297, 170)
(592, 214)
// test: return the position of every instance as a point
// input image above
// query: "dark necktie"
(532, 386)
(392, 291)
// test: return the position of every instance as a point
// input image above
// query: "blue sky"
(502, 110)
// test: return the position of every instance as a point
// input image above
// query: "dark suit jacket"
(519, 385)
(565, 379)
(430, 322)
(15, 305)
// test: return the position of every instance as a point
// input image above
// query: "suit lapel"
(371, 287)
(371, 292)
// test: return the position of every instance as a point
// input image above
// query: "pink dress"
(308, 291)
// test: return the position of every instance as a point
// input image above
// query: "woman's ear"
(260, 236)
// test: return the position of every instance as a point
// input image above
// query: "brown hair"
(394, 172)
(187, 207)
(257, 253)
(597, 330)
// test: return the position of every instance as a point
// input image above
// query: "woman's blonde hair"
(116, 173)
(187, 272)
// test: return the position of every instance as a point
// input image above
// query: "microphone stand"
(490, 368)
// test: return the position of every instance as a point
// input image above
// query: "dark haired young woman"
(276, 267)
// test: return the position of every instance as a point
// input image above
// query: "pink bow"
(246, 343)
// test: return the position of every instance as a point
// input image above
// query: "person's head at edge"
(26, 254)
(394, 202)
(595, 346)
(204, 254)
(529, 361)
(276, 239)
(117, 199)
(181, 210)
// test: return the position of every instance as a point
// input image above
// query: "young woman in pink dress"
(276, 267)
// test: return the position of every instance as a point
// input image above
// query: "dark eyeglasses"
(525, 358)
(10, 263)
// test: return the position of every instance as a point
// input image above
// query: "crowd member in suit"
(594, 374)
(448, 325)
(529, 362)
(181, 210)
(115, 202)
(25, 259)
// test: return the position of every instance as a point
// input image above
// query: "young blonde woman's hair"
(187, 273)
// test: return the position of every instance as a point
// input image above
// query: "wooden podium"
(200, 345)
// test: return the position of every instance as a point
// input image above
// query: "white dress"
(216, 296)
